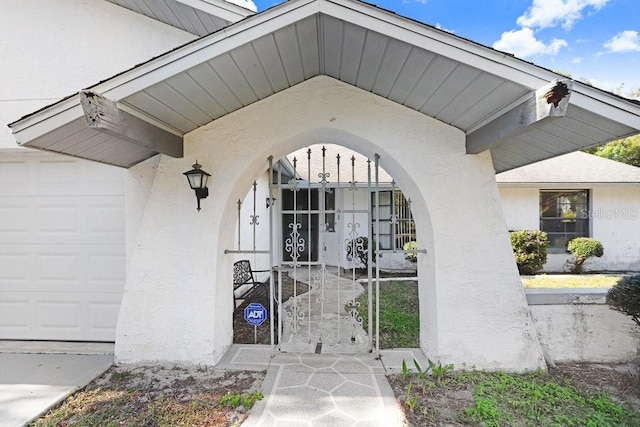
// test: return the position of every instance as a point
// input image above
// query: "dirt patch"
(243, 333)
(159, 395)
(622, 382)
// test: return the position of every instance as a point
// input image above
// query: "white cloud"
(247, 4)
(440, 27)
(624, 41)
(523, 43)
(576, 60)
(549, 13)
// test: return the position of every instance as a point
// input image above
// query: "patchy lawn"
(569, 395)
(159, 396)
(399, 315)
(559, 281)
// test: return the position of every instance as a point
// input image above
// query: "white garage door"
(62, 247)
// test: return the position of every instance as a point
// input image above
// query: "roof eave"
(498, 63)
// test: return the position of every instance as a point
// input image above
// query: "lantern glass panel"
(195, 180)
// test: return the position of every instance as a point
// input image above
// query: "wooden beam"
(103, 115)
(547, 103)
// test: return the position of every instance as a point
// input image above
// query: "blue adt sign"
(255, 314)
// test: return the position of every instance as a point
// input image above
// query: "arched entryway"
(316, 231)
(472, 308)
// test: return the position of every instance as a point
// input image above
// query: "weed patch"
(500, 399)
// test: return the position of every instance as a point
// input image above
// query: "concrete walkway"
(323, 389)
(34, 377)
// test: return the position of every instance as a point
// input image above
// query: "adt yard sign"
(255, 314)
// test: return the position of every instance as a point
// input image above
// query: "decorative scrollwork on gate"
(354, 317)
(294, 245)
(294, 315)
(318, 286)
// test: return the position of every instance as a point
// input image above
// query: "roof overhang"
(499, 101)
(198, 17)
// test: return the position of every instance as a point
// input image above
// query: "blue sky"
(594, 39)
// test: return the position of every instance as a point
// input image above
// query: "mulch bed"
(243, 333)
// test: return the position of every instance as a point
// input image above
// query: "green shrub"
(624, 296)
(411, 250)
(358, 248)
(529, 249)
(583, 248)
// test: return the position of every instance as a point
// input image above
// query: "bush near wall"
(529, 249)
(583, 248)
(624, 296)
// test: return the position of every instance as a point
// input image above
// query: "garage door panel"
(59, 220)
(62, 220)
(14, 265)
(46, 174)
(59, 316)
(62, 247)
(13, 313)
(16, 220)
(87, 268)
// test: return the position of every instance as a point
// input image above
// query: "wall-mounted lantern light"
(198, 180)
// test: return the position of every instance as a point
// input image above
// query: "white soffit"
(199, 17)
(436, 73)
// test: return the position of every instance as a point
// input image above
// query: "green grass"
(570, 281)
(500, 399)
(399, 314)
(535, 400)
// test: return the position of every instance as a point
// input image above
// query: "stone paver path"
(326, 390)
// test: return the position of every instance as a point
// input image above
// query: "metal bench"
(246, 287)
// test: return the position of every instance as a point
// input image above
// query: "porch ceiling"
(436, 73)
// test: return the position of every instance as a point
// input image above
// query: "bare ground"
(190, 396)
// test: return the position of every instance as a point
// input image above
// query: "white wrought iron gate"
(319, 220)
(325, 230)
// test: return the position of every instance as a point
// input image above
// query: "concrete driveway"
(30, 383)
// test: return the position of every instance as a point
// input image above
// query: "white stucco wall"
(584, 329)
(51, 49)
(521, 207)
(615, 221)
(473, 310)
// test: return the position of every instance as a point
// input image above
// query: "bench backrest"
(242, 273)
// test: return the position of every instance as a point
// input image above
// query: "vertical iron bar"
(369, 259)
(393, 218)
(280, 232)
(239, 221)
(354, 246)
(410, 222)
(309, 245)
(294, 256)
(271, 276)
(377, 164)
(337, 224)
(322, 227)
(254, 218)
